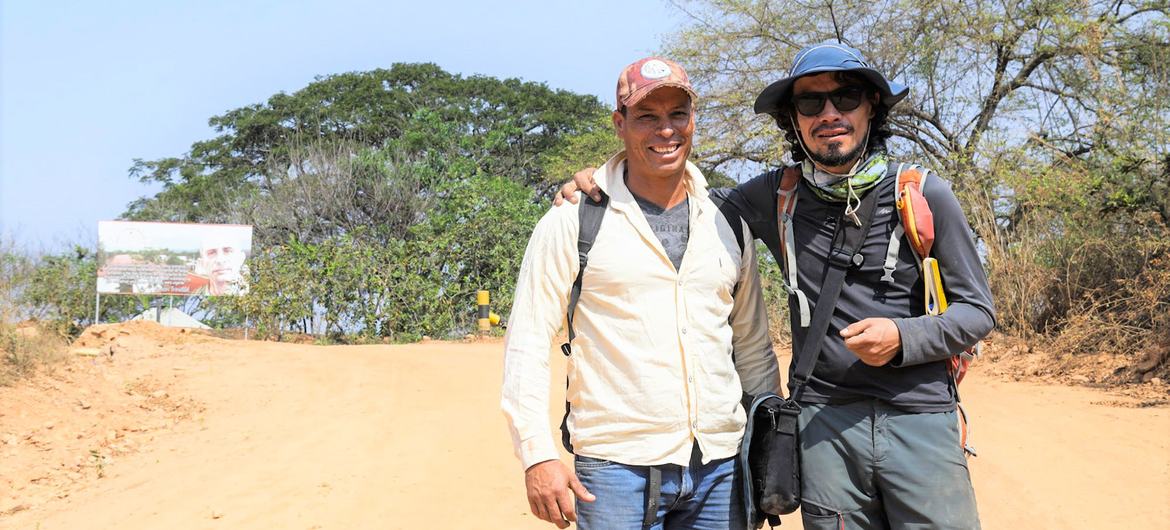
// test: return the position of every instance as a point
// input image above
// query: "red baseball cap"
(638, 80)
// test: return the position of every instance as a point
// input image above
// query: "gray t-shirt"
(673, 226)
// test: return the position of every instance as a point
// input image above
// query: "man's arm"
(755, 361)
(970, 314)
(542, 291)
(754, 201)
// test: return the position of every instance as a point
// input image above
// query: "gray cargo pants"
(867, 465)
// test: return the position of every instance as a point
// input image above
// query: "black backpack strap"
(589, 216)
(845, 254)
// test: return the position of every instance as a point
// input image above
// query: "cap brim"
(641, 94)
(772, 98)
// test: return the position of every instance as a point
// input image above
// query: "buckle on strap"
(844, 259)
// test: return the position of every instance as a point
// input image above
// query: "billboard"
(173, 258)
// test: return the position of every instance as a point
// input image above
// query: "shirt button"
(684, 331)
(695, 425)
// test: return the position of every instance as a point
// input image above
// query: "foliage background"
(1051, 117)
(382, 200)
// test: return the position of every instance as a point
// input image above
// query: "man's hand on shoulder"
(549, 484)
(583, 181)
(873, 340)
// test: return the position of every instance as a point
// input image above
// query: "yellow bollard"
(483, 299)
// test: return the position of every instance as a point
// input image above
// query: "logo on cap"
(655, 69)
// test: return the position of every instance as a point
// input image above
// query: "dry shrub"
(1130, 318)
(1018, 282)
(1090, 294)
(1112, 296)
(25, 344)
(1079, 266)
(26, 347)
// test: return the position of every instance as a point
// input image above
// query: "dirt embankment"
(182, 430)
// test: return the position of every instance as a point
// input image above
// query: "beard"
(835, 157)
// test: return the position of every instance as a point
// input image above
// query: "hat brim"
(773, 98)
(640, 94)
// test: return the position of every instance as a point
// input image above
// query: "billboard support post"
(97, 307)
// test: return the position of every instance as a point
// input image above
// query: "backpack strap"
(916, 220)
(914, 211)
(589, 214)
(786, 197)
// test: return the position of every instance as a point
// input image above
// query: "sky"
(86, 87)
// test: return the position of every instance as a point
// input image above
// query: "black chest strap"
(844, 254)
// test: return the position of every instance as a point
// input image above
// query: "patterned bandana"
(843, 188)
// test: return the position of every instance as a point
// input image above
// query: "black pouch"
(770, 460)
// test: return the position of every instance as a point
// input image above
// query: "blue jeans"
(695, 497)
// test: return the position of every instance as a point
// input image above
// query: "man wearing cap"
(670, 329)
(879, 435)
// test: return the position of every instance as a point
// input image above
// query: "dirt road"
(188, 432)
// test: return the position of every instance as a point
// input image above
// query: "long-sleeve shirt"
(652, 367)
(916, 380)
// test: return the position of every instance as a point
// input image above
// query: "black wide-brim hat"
(827, 56)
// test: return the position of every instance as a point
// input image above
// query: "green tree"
(474, 238)
(61, 290)
(501, 125)
(381, 200)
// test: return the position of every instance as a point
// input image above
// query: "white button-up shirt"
(651, 369)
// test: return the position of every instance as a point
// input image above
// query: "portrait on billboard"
(173, 258)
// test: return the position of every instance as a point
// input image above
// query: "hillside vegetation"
(382, 200)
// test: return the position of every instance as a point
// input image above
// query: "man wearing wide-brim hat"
(880, 441)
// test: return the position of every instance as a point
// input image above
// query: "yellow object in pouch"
(936, 300)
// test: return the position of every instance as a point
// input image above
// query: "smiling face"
(657, 133)
(834, 139)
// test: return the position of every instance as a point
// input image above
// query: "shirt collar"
(610, 179)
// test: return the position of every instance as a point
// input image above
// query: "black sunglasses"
(844, 99)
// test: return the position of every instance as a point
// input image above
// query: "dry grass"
(27, 347)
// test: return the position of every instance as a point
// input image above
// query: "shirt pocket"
(715, 271)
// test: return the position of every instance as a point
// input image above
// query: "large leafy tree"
(1055, 71)
(502, 126)
(381, 200)
(1068, 78)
